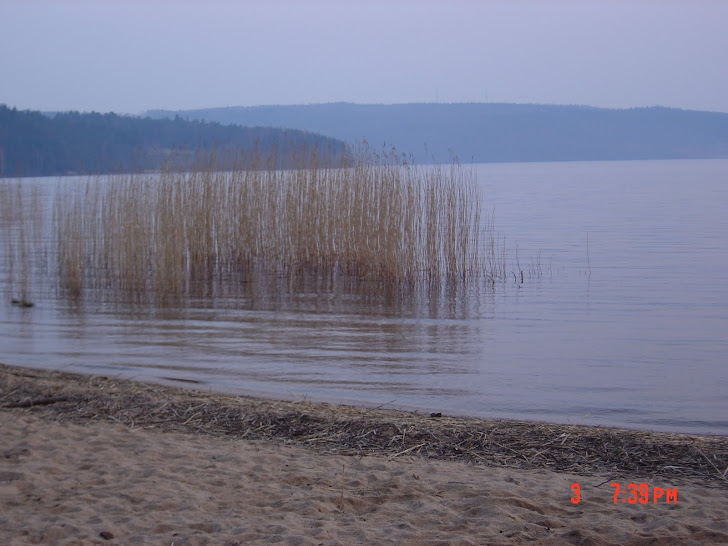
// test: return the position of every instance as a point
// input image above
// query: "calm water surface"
(622, 319)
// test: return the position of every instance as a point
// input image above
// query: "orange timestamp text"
(634, 494)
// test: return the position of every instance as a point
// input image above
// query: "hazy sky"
(133, 55)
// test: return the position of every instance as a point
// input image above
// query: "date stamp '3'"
(634, 494)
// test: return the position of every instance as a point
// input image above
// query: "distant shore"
(100, 460)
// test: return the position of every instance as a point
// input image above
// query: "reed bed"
(21, 223)
(378, 223)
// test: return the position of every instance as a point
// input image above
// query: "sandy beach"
(89, 460)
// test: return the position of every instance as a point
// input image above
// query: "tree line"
(33, 143)
(491, 132)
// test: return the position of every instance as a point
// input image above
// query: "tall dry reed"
(379, 221)
(21, 226)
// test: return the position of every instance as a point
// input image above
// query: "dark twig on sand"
(36, 402)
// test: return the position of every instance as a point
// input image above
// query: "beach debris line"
(588, 451)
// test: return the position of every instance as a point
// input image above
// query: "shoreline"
(349, 430)
(93, 460)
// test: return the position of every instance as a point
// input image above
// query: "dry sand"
(74, 475)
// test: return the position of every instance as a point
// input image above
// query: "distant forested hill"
(499, 132)
(35, 144)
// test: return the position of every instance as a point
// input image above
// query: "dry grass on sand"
(96, 460)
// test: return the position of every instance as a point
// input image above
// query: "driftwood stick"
(39, 402)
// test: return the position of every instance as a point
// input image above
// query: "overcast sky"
(132, 55)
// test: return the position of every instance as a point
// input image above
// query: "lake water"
(622, 318)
